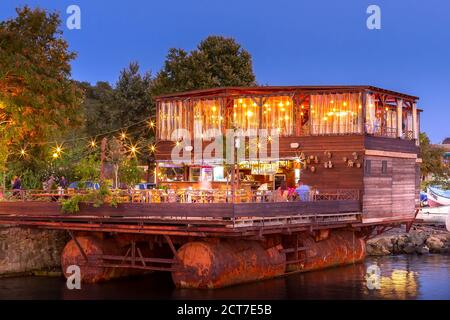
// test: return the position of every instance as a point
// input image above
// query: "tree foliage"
(38, 100)
(217, 62)
(433, 167)
(108, 108)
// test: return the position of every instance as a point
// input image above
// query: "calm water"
(402, 277)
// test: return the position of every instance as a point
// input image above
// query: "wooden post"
(415, 126)
(103, 158)
(363, 111)
(399, 118)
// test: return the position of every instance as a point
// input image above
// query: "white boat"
(438, 215)
(438, 197)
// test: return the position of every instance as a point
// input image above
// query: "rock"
(409, 248)
(418, 238)
(422, 250)
(435, 244)
(379, 246)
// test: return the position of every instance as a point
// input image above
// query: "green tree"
(98, 103)
(108, 108)
(129, 172)
(431, 157)
(217, 62)
(38, 100)
(433, 169)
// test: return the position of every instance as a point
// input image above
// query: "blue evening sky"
(292, 42)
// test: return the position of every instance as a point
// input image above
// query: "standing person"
(63, 183)
(16, 186)
(303, 191)
(281, 194)
(50, 183)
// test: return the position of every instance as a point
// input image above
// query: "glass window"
(336, 113)
(384, 167)
(171, 173)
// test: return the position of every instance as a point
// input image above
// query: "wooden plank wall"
(403, 186)
(390, 144)
(339, 177)
(392, 194)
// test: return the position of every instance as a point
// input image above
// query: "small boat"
(437, 197)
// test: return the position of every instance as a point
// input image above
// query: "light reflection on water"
(402, 277)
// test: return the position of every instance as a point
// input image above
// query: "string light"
(152, 148)
(133, 150)
(123, 135)
(93, 143)
(23, 153)
(57, 150)
(151, 124)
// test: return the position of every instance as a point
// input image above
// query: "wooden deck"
(190, 219)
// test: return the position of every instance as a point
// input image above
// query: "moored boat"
(438, 197)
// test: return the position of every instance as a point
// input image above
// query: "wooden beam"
(391, 154)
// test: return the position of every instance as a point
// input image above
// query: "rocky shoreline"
(421, 239)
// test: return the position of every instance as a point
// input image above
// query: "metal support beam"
(78, 245)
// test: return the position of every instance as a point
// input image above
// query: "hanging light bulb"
(133, 149)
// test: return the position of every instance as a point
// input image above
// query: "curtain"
(336, 113)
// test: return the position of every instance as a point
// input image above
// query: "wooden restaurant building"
(344, 138)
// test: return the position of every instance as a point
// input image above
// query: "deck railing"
(187, 195)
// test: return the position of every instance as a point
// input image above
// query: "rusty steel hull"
(216, 262)
(223, 263)
(93, 248)
(338, 249)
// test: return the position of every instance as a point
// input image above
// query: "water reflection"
(402, 277)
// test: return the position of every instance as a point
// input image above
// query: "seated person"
(303, 191)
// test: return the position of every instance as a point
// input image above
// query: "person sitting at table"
(281, 194)
(303, 191)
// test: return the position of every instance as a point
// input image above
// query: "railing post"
(399, 118)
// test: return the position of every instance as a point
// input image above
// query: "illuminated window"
(245, 114)
(277, 114)
(208, 118)
(336, 113)
(172, 115)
